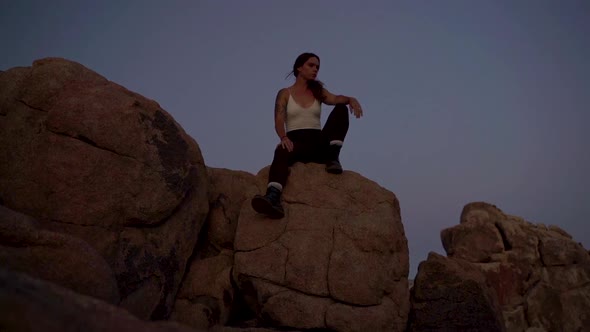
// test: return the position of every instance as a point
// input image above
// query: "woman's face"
(310, 68)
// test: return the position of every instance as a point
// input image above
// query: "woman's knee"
(339, 114)
(340, 111)
(339, 108)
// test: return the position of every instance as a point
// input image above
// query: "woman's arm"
(280, 116)
(281, 113)
(331, 99)
(354, 105)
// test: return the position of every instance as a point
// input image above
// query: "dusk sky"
(464, 100)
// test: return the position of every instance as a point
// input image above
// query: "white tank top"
(303, 118)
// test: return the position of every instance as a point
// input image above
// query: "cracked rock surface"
(337, 260)
(87, 157)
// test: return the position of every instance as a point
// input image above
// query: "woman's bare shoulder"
(283, 93)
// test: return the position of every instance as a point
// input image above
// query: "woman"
(297, 123)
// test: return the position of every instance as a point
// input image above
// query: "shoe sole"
(261, 205)
(334, 170)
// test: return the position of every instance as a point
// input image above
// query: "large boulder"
(452, 295)
(337, 260)
(90, 158)
(59, 258)
(33, 305)
(539, 274)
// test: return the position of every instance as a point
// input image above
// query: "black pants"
(309, 145)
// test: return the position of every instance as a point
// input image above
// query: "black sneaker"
(334, 167)
(269, 204)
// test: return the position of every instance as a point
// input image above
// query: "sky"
(464, 100)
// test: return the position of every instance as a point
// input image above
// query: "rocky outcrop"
(338, 260)
(346, 266)
(105, 194)
(28, 304)
(94, 160)
(539, 274)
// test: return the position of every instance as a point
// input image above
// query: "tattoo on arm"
(280, 107)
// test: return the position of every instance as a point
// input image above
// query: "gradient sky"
(464, 100)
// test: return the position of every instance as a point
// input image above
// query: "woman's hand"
(355, 107)
(286, 143)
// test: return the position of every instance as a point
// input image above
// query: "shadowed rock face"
(338, 260)
(28, 304)
(540, 276)
(450, 295)
(95, 160)
(59, 258)
(206, 297)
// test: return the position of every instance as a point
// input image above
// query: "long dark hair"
(316, 87)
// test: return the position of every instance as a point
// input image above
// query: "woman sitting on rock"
(298, 108)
